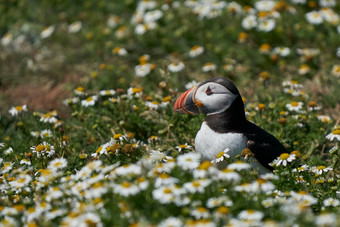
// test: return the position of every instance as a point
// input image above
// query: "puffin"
(226, 125)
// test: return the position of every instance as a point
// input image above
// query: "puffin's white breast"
(210, 143)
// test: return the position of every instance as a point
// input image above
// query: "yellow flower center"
(336, 132)
(164, 176)
(223, 210)
(195, 47)
(261, 106)
(89, 99)
(136, 90)
(201, 209)
(262, 14)
(19, 108)
(40, 148)
(321, 167)
(205, 165)
(284, 156)
(294, 103)
(250, 211)
(196, 184)
(116, 50)
(57, 164)
(220, 154)
(21, 180)
(167, 99)
(80, 89)
(265, 47)
(141, 179)
(167, 190)
(242, 35)
(116, 136)
(126, 184)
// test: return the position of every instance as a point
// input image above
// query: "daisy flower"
(294, 106)
(6, 39)
(47, 32)
(303, 69)
(45, 133)
(6, 167)
(283, 159)
(265, 48)
(156, 155)
(189, 161)
(183, 146)
(164, 179)
(25, 161)
(198, 185)
(208, 67)
(89, 101)
(191, 84)
(70, 101)
(281, 51)
(171, 222)
(8, 150)
(266, 25)
(228, 175)
(176, 67)
(199, 212)
(264, 5)
(252, 215)
(79, 91)
(153, 16)
(221, 156)
(126, 189)
(326, 219)
(239, 165)
(43, 149)
(330, 202)
(75, 27)
(249, 22)
(196, 51)
(112, 21)
(57, 164)
(167, 194)
(49, 117)
(21, 181)
(120, 51)
(318, 170)
(107, 92)
(143, 70)
(314, 17)
(14, 111)
(152, 105)
(336, 70)
(301, 168)
(335, 134)
(128, 170)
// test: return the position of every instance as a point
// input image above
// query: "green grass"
(122, 131)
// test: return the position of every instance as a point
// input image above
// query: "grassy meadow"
(88, 136)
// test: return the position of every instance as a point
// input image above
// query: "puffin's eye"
(208, 91)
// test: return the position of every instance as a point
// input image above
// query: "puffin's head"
(212, 96)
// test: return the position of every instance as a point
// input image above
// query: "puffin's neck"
(230, 120)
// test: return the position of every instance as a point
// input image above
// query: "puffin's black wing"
(263, 145)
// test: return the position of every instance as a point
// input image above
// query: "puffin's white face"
(213, 98)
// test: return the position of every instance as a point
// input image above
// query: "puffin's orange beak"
(186, 104)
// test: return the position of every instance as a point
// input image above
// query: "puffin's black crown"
(224, 82)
